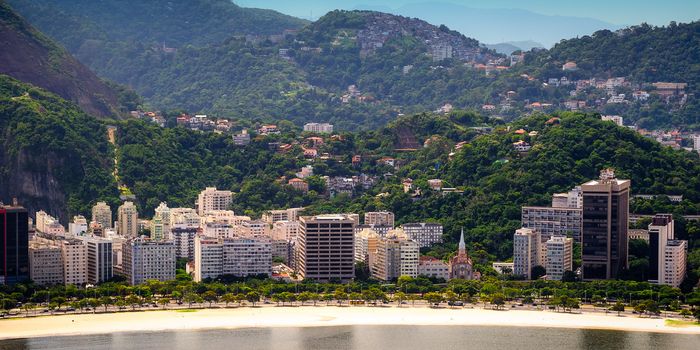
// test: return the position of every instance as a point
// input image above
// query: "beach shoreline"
(320, 316)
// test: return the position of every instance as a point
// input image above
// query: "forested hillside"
(53, 156)
(360, 69)
(30, 56)
(173, 23)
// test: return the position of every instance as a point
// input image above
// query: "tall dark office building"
(604, 230)
(14, 244)
(326, 248)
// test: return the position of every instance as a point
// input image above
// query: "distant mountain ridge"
(486, 25)
(30, 56)
(174, 23)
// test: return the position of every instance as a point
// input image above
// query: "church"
(461, 264)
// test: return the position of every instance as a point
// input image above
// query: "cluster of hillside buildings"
(217, 242)
(380, 27)
(595, 215)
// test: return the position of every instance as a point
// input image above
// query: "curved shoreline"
(319, 316)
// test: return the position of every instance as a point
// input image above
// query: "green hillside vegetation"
(215, 74)
(175, 23)
(44, 136)
(30, 56)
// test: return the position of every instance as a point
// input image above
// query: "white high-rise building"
(48, 224)
(675, 261)
(668, 256)
(208, 258)
(145, 260)
(425, 234)
(160, 224)
(45, 263)
(74, 256)
(526, 251)
(557, 221)
(385, 218)
(396, 256)
(99, 259)
(213, 199)
(559, 257)
(183, 238)
(241, 257)
(127, 220)
(365, 245)
(102, 213)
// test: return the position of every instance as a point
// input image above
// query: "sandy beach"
(310, 316)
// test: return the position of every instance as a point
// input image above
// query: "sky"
(620, 12)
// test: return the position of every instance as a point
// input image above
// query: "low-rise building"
(299, 185)
(433, 268)
(503, 268)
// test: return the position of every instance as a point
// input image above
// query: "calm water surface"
(368, 337)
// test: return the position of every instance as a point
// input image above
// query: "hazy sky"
(621, 12)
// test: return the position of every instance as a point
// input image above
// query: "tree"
(340, 295)
(210, 296)
(228, 298)
(433, 298)
(537, 272)
(8, 304)
(133, 300)
(106, 302)
(451, 297)
(498, 300)
(619, 307)
(252, 297)
(399, 297)
(164, 301)
(304, 297)
(60, 301)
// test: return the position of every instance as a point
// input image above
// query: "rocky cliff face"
(33, 182)
(31, 57)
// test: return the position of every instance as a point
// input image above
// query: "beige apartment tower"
(102, 213)
(128, 220)
(213, 199)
